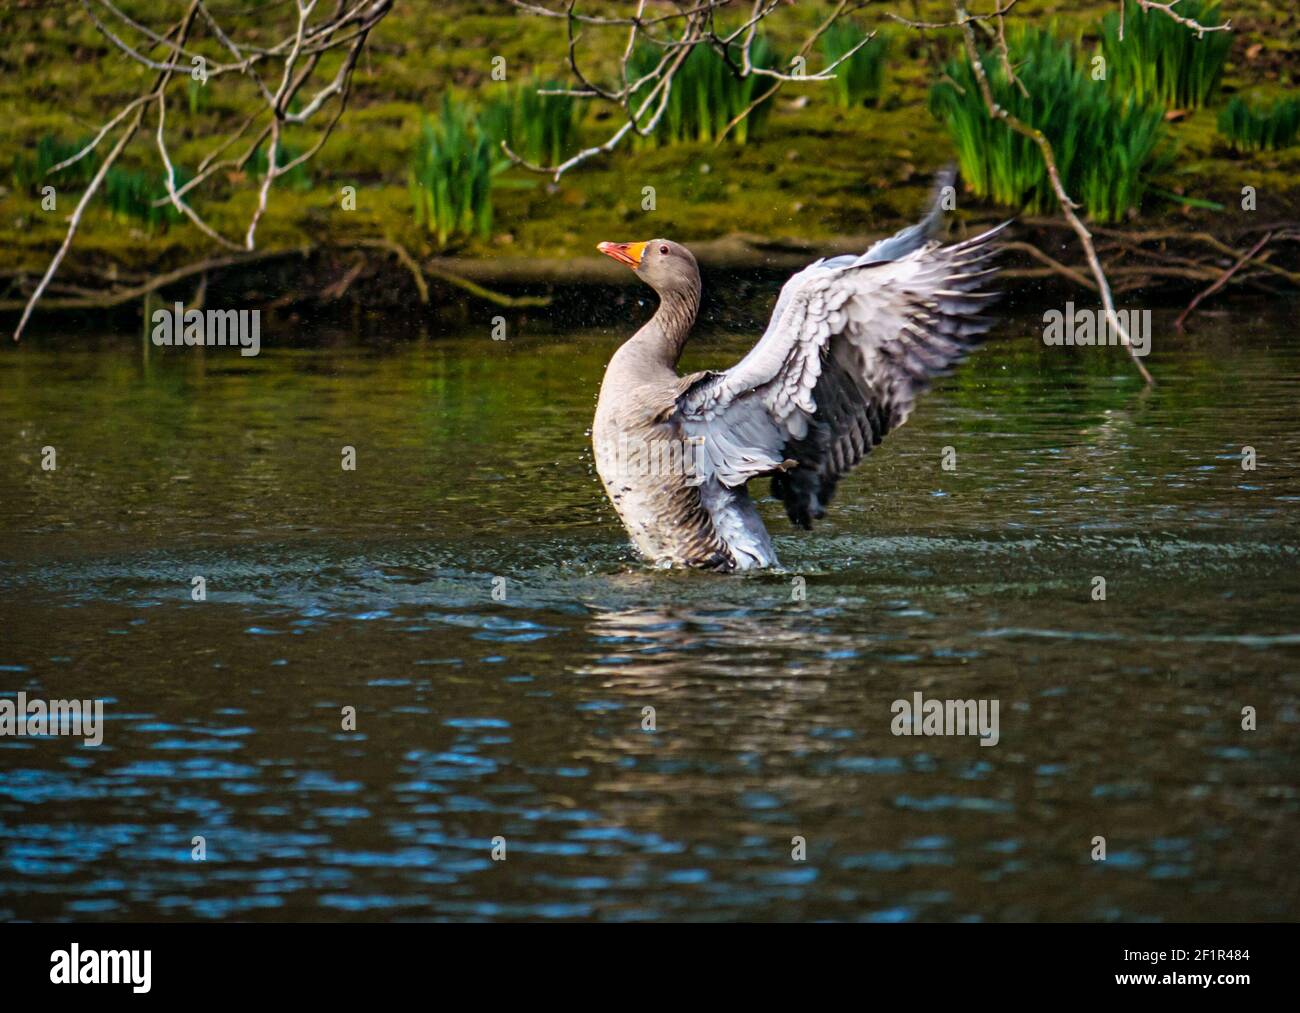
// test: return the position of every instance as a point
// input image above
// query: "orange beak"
(624, 253)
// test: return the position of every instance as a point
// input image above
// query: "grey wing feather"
(851, 345)
(903, 242)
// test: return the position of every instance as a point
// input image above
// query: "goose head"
(667, 267)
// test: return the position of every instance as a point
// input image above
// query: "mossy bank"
(818, 175)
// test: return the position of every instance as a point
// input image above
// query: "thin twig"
(1168, 10)
(298, 55)
(1063, 199)
(107, 300)
(1222, 280)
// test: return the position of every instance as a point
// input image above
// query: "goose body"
(851, 344)
(649, 466)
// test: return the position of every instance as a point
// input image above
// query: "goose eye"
(663, 250)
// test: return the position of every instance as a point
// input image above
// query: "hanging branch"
(296, 56)
(1168, 11)
(1067, 205)
(694, 26)
(1223, 279)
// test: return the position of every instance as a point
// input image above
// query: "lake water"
(523, 718)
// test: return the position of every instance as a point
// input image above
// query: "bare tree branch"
(296, 57)
(1222, 279)
(695, 25)
(1063, 199)
(1168, 11)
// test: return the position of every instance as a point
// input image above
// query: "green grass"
(451, 174)
(706, 95)
(1259, 128)
(1164, 61)
(196, 96)
(128, 193)
(1105, 146)
(131, 194)
(30, 172)
(539, 128)
(860, 79)
(817, 171)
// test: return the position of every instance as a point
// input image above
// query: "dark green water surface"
(522, 718)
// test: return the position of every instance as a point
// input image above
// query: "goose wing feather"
(851, 345)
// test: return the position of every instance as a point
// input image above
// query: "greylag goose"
(851, 344)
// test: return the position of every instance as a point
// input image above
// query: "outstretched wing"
(852, 343)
